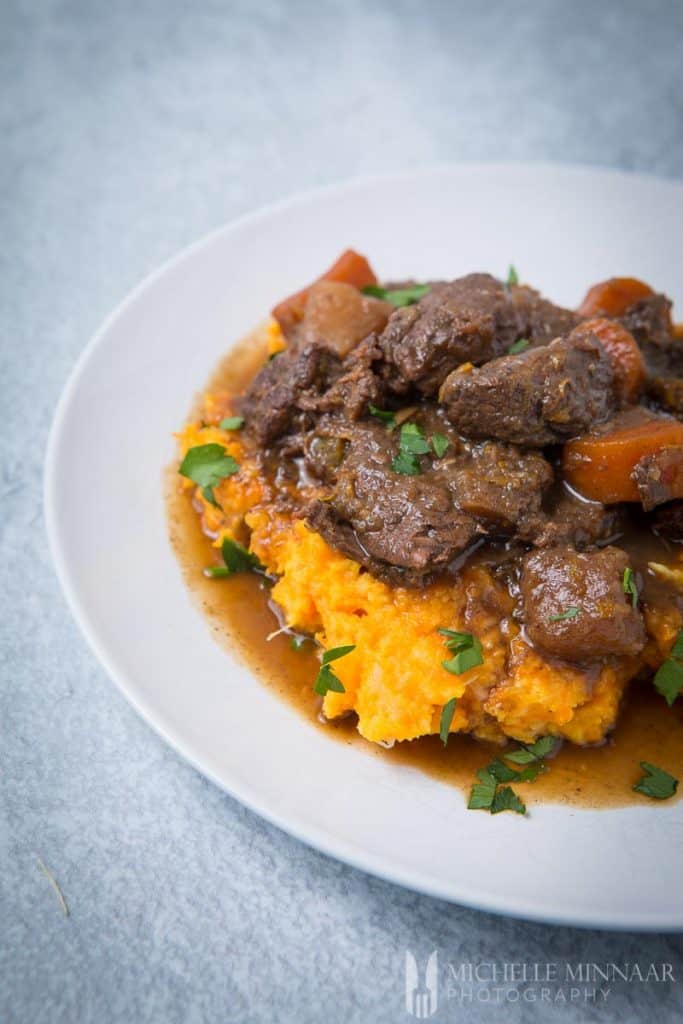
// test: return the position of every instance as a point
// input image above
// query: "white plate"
(563, 228)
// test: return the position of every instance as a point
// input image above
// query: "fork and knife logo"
(422, 991)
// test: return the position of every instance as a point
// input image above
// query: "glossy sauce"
(238, 611)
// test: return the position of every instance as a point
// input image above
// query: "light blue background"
(127, 131)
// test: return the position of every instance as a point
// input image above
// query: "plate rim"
(313, 835)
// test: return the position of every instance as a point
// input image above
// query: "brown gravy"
(238, 612)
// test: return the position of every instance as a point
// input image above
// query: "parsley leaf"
(412, 443)
(530, 752)
(505, 799)
(504, 773)
(630, 586)
(483, 792)
(413, 440)
(236, 558)
(467, 650)
(486, 795)
(207, 465)
(397, 296)
(669, 680)
(570, 613)
(447, 713)
(656, 783)
(385, 415)
(464, 660)
(337, 652)
(326, 679)
(407, 464)
(232, 423)
(513, 277)
(455, 640)
(501, 771)
(440, 443)
(519, 346)
(677, 649)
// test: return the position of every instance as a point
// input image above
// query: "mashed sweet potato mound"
(394, 680)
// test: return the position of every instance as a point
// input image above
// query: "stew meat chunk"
(473, 319)
(409, 526)
(575, 605)
(536, 398)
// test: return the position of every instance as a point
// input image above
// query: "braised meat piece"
(659, 477)
(667, 393)
(649, 321)
(575, 606)
(570, 520)
(273, 400)
(541, 396)
(408, 527)
(404, 528)
(496, 483)
(540, 320)
(356, 386)
(668, 520)
(471, 319)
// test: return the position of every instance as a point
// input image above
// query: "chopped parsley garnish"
(406, 463)
(274, 355)
(483, 792)
(669, 677)
(531, 752)
(232, 423)
(519, 346)
(398, 296)
(413, 439)
(297, 642)
(447, 713)
(411, 444)
(656, 783)
(504, 773)
(467, 651)
(630, 586)
(570, 613)
(513, 277)
(385, 415)
(207, 465)
(439, 443)
(505, 799)
(326, 679)
(501, 771)
(236, 558)
(486, 796)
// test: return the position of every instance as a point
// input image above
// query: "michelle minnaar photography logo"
(422, 986)
(432, 981)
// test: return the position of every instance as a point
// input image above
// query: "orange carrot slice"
(600, 466)
(613, 297)
(627, 359)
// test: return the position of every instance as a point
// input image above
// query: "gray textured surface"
(128, 130)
